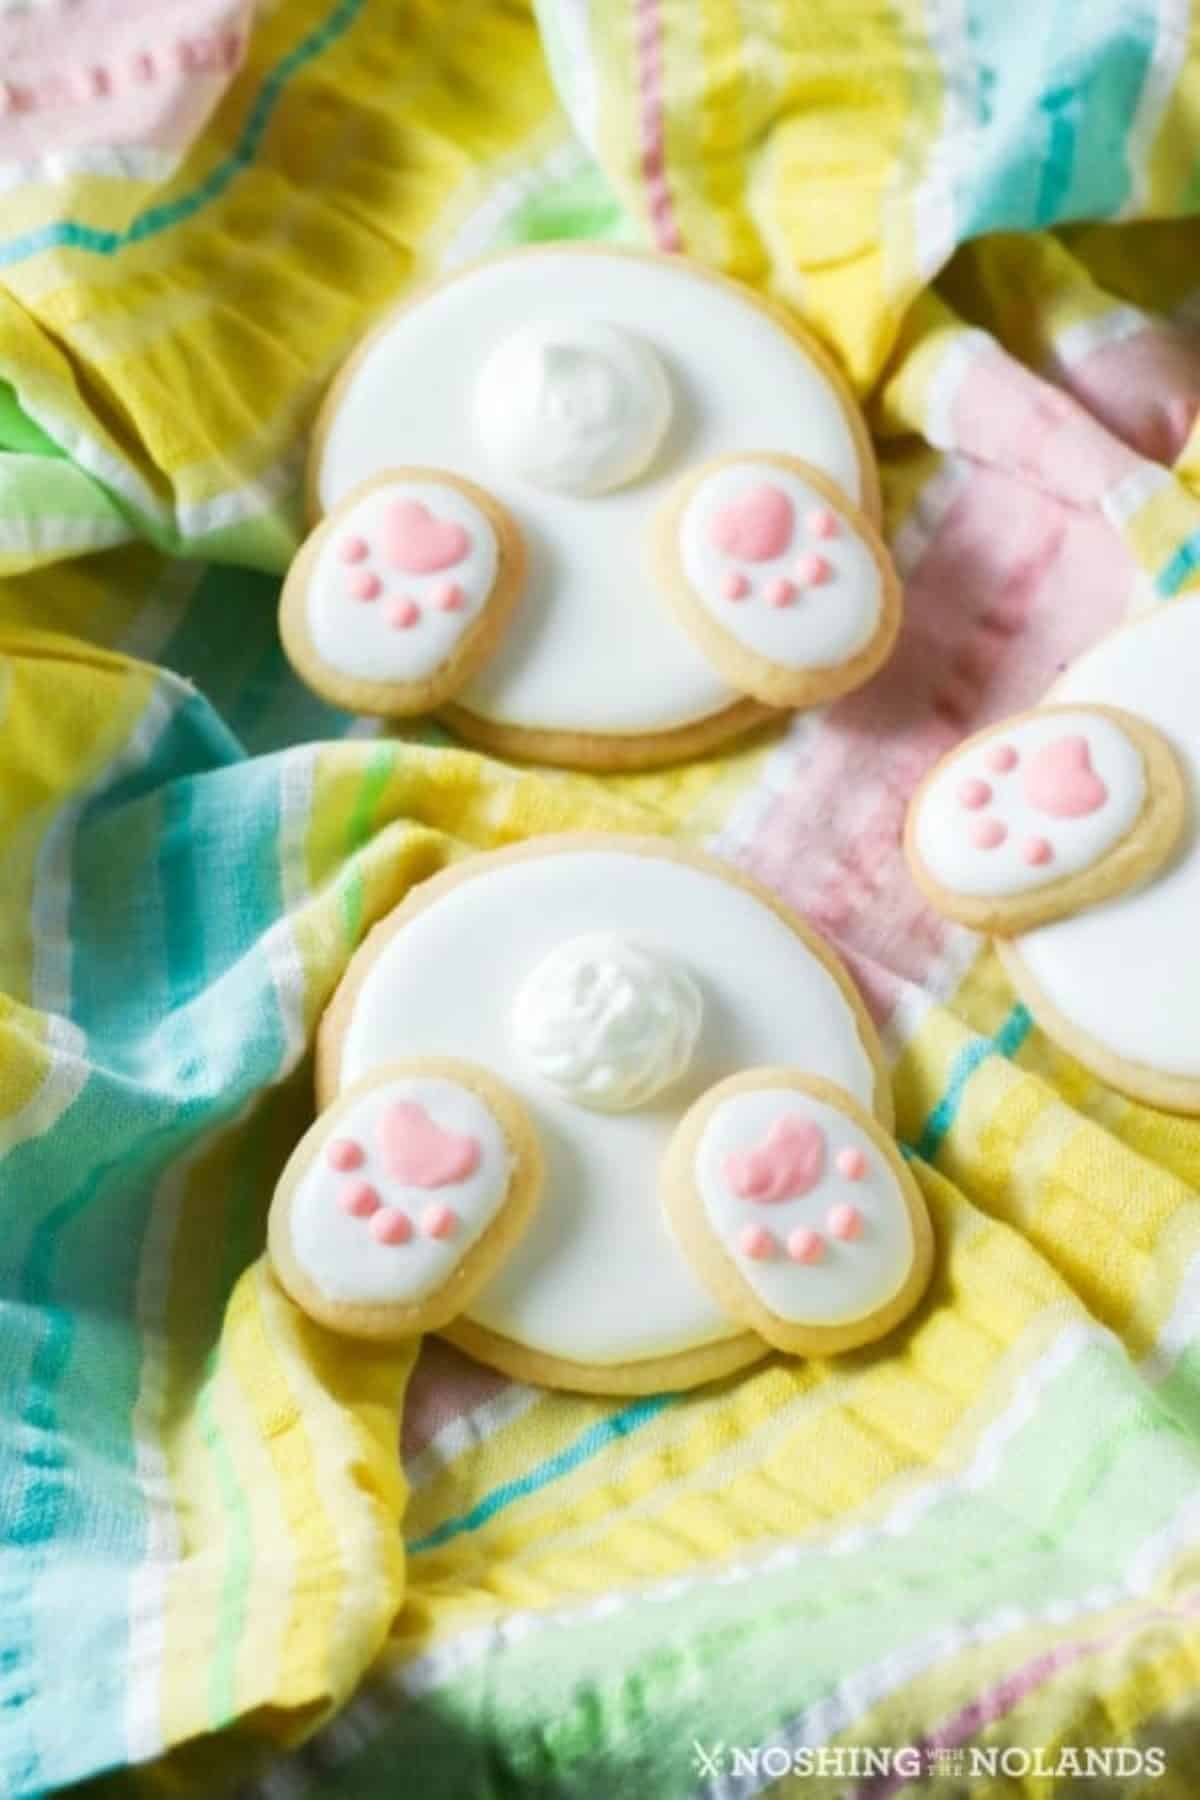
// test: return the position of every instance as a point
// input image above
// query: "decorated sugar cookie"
(1119, 985)
(1111, 974)
(577, 386)
(1044, 815)
(786, 586)
(403, 1197)
(635, 976)
(402, 592)
(797, 1212)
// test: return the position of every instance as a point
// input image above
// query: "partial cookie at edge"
(1056, 809)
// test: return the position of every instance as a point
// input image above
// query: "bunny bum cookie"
(402, 592)
(1044, 815)
(576, 386)
(788, 588)
(613, 981)
(1118, 985)
(797, 1212)
(403, 1197)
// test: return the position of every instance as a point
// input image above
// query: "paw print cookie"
(403, 1198)
(578, 386)
(1043, 815)
(402, 593)
(783, 583)
(796, 1211)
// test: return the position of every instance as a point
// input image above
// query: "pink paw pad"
(352, 549)
(734, 585)
(788, 1163)
(805, 1246)
(781, 592)
(822, 523)
(94, 83)
(756, 1242)
(1001, 758)
(974, 793)
(845, 1222)
(416, 541)
(404, 614)
(813, 570)
(344, 1154)
(1060, 779)
(1037, 852)
(987, 834)
(390, 1226)
(449, 597)
(365, 586)
(418, 1152)
(757, 527)
(359, 1199)
(439, 1221)
(851, 1164)
(196, 54)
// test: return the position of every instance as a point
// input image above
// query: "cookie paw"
(795, 1210)
(403, 1198)
(399, 596)
(783, 583)
(1044, 815)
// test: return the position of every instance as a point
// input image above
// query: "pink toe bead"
(851, 1164)
(439, 1221)
(197, 53)
(812, 570)
(449, 597)
(365, 586)
(404, 615)
(974, 793)
(781, 592)
(1037, 851)
(390, 1226)
(144, 66)
(359, 1199)
(735, 585)
(353, 549)
(822, 523)
(845, 1221)
(804, 1246)
(1001, 758)
(987, 833)
(94, 83)
(756, 1242)
(344, 1154)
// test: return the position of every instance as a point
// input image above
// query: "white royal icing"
(337, 1250)
(598, 1277)
(826, 620)
(946, 820)
(594, 647)
(573, 405)
(608, 1021)
(851, 1276)
(360, 637)
(1126, 972)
